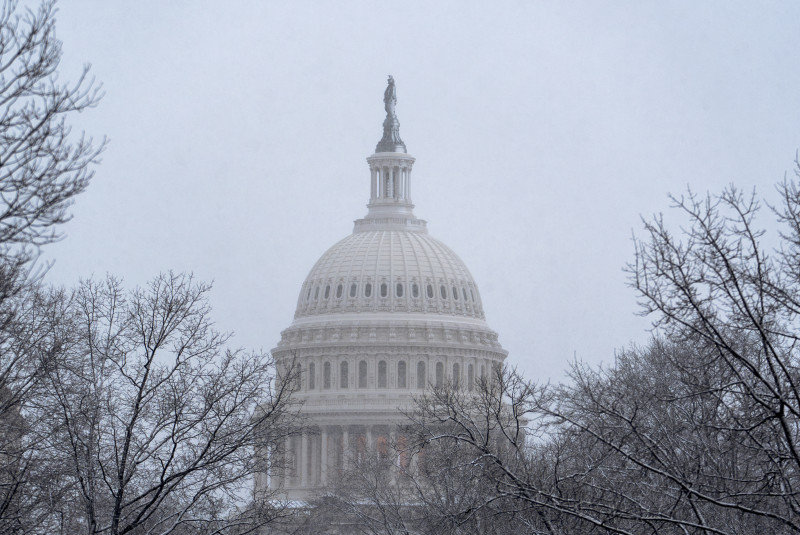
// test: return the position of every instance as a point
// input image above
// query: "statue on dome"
(390, 142)
(390, 97)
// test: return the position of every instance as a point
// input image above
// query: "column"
(373, 183)
(323, 469)
(283, 466)
(345, 448)
(393, 450)
(313, 461)
(302, 465)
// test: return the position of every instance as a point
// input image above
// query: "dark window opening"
(362, 374)
(343, 378)
(382, 374)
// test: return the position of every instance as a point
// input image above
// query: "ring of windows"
(401, 373)
(460, 293)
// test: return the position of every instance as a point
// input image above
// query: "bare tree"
(445, 472)
(42, 167)
(153, 421)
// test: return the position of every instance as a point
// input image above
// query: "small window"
(316, 293)
(327, 291)
(472, 294)
(311, 373)
(368, 290)
(464, 291)
(384, 290)
(401, 374)
(421, 374)
(308, 296)
(456, 375)
(439, 374)
(343, 378)
(362, 374)
(455, 293)
(443, 292)
(399, 289)
(326, 375)
(414, 290)
(339, 292)
(353, 289)
(430, 291)
(382, 374)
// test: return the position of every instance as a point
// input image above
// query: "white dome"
(389, 271)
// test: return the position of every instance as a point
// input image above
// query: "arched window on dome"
(327, 291)
(456, 375)
(326, 375)
(401, 374)
(384, 290)
(439, 374)
(429, 290)
(470, 377)
(421, 374)
(382, 374)
(339, 292)
(443, 291)
(455, 293)
(343, 377)
(464, 291)
(399, 289)
(316, 293)
(362, 374)
(311, 375)
(368, 290)
(415, 290)
(472, 294)
(308, 295)
(353, 289)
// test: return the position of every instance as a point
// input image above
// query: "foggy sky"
(543, 131)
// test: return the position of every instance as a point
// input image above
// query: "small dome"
(386, 270)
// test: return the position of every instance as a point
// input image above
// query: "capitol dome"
(389, 271)
(385, 314)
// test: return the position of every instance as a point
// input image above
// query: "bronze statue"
(390, 97)
(390, 142)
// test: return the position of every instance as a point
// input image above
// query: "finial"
(390, 142)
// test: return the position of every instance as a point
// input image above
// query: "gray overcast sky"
(542, 131)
